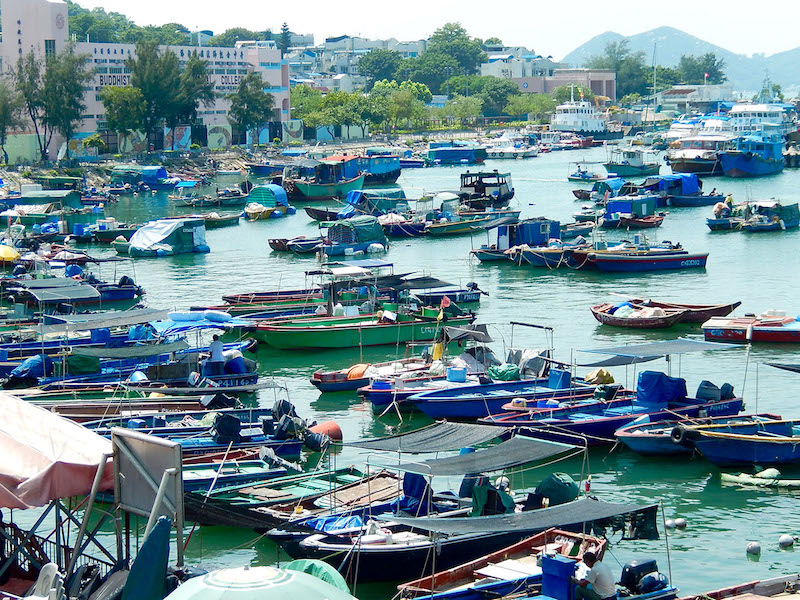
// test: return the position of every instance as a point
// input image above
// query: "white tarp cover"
(155, 232)
(44, 456)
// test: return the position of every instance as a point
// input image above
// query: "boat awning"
(170, 327)
(64, 294)
(136, 351)
(364, 263)
(495, 223)
(619, 361)
(571, 513)
(512, 453)
(44, 456)
(476, 333)
(665, 348)
(89, 321)
(187, 184)
(439, 437)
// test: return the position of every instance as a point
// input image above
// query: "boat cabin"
(492, 184)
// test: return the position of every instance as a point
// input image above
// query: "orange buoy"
(329, 428)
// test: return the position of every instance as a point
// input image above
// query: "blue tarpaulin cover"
(657, 390)
(35, 366)
(149, 570)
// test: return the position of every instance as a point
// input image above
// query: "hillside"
(744, 72)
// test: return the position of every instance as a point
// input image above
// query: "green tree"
(693, 69)
(632, 72)
(370, 109)
(229, 37)
(251, 107)
(65, 77)
(430, 68)
(10, 114)
(496, 94)
(566, 92)
(466, 85)
(420, 90)
(379, 64)
(27, 77)
(452, 40)
(403, 106)
(284, 39)
(194, 88)
(492, 41)
(125, 108)
(305, 100)
(630, 99)
(95, 141)
(666, 77)
(463, 109)
(537, 105)
(157, 75)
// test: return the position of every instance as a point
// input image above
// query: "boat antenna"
(666, 540)
(653, 111)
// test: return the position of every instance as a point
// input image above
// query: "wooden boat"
(513, 568)
(255, 211)
(273, 503)
(582, 194)
(725, 223)
(655, 438)
(754, 590)
(570, 231)
(352, 332)
(355, 377)
(640, 318)
(215, 219)
(763, 443)
(457, 226)
(282, 244)
(106, 236)
(200, 477)
(648, 222)
(770, 327)
(694, 313)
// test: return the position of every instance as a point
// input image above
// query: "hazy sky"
(549, 28)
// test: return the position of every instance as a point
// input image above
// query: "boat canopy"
(476, 333)
(439, 437)
(136, 351)
(89, 321)
(358, 229)
(44, 456)
(187, 184)
(611, 185)
(681, 184)
(171, 327)
(495, 223)
(422, 283)
(517, 451)
(154, 174)
(269, 195)
(665, 348)
(569, 513)
(76, 291)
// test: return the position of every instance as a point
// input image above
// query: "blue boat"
(657, 395)
(456, 153)
(776, 217)
(755, 155)
(532, 241)
(763, 443)
(482, 400)
(649, 261)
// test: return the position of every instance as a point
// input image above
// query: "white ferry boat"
(581, 118)
(749, 118)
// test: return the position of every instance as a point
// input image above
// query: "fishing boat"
(626, 315)
(756, 155)
(106, 235)
(362, 202)
(515, 567)
(655, 438)
(273, 503)
(644, 261)
(215, 219)
(455, 153)
(632, 211)
(581, 173)
(347, 237)
(693, 313)
(457, 225)
(657, 396)
(761, 443)
(312, 181)
(581, 118)
(486, 189)
(356, 331)
(648, 222)
(766, 478)
(775, 587)
(267, 202)
(778, 217)
(699, 154)
(772, 326)
(165, 237)
(631, 161)
(760, 215)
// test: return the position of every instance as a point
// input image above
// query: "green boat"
(457, 227)
(311, 191)
(327, 179)
(353, 332)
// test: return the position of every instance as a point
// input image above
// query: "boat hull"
(311, 192)
(698, 166)
(618, 263)
(736, 164)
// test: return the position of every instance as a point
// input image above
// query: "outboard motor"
(642, 577)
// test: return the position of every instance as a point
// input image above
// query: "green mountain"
(744, 72)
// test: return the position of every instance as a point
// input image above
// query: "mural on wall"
(324, 134)
(182, 135)
(263, 137)
(134, 142)
(220, 136)
(293, 130)
(78, 150)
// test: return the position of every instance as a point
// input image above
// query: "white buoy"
(669, 524)
(786, 541)
(753, 548)
(680, 523)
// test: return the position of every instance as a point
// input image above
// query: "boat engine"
(642, 577)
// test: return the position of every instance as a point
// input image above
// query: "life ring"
(501, 154)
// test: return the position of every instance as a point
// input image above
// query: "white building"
(42, 26)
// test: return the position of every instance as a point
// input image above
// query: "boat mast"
(653, 112)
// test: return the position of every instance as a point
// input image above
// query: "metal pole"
(162, 490)
(98, 476)
(666, 539)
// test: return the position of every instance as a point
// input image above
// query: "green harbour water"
(758, 269)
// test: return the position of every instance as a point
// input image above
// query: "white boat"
(506, 147)
(749, 118)
(581, 118)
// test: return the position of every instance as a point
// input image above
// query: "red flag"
(706, 75)
(445, 302)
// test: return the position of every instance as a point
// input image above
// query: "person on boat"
(599, 581)
(216, 362)
(713, 192)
